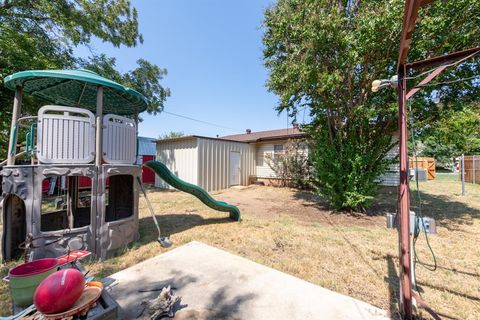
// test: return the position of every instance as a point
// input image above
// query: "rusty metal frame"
(441, 62)
(429, 78)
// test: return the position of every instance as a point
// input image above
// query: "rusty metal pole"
(404, 204)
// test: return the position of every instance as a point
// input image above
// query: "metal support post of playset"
(135, 117)
(99, 127)
(17, 109)
(98, 164)
(404, 204)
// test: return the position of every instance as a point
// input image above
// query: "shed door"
(234, 168)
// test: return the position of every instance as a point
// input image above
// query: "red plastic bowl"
(59, 291)
(33, 268)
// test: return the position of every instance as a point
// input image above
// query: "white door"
(234, 168)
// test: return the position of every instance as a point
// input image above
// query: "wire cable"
(201, 121)
(420, 211)
(446, 82)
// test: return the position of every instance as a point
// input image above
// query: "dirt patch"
(272, 202)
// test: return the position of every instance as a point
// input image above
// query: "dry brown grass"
(295, 232)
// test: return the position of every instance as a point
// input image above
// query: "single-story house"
(392, 177)
(241, 159)
(219, 163)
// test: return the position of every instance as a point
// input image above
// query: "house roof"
(280, 134)
(192, 137)
(266, 135)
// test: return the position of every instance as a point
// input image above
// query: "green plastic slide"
(162, 171)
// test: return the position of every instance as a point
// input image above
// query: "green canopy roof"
(78, 88)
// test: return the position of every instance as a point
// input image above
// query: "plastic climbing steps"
(163, 172)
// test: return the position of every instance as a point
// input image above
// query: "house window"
(260, 159)
(66, 202)
(277, 151)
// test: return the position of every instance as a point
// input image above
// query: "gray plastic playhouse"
(76, 185)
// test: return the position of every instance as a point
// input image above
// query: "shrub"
(291, 166)
(346, 174)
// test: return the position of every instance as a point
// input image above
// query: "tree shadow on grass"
(447, 212)
(385, 201)
(393, 287)
(174, 223)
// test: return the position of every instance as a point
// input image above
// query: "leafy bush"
(292, 166)
(346, 174)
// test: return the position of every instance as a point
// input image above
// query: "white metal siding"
(392, 177)
(181, 157)
(214, 161)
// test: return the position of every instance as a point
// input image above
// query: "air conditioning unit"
(421, 174)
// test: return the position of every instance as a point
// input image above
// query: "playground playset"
(78, 188)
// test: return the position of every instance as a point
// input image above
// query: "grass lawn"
(295, 232)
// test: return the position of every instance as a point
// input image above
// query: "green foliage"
(41, 34)
(145, 79)
(323, 55)
(292, 165)
(171, 135)
(347, 177)
(456, 132)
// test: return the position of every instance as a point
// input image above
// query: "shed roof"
(266, 135)
(193, 137)
(78, 88)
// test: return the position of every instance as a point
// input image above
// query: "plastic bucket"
(25, 278)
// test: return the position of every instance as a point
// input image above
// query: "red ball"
(59, 291)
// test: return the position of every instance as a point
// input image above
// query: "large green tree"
(42, 34)
(454, 133)
(323, 55)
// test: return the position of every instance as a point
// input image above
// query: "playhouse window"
(14, 227)
(119, 197)
(66, 202)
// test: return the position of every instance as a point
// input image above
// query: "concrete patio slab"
(215, 284)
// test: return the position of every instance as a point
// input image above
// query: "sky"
(212, 50)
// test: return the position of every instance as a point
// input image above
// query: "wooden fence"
(472, 169)
(424, 163)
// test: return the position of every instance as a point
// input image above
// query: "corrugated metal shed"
(204, 161)
(147, 146)
(181, 157)
(214, 162)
